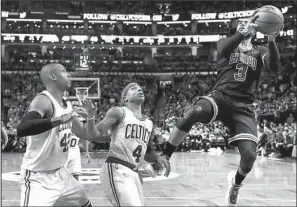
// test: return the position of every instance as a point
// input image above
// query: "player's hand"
(64, 118)
(147, 170)
(90, 108)
(251, 26)
(81, 112)
(163, 160)
(255, 12)
(271, 37)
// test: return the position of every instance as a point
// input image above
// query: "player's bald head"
(48, 70)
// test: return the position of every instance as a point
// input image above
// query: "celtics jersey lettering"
(130, 138)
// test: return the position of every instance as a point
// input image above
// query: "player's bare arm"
(226, 46)
(152, 157)
(39, 118)
(270, 56)
(112, 117)
(78, 128)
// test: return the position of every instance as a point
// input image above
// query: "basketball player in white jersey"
(73, 163)
(130, 147)
(47, 125)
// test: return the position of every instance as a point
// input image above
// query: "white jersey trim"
(54, 109)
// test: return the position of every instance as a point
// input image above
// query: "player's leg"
(245, 130)
(248, 155)
(74, 164)
(204, 110)
(121, 185)
(73, 193)
(110, 193)
(38, 189)
(4, 138)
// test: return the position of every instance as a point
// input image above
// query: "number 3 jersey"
(49, 150)
(239, 71)
(129, 139)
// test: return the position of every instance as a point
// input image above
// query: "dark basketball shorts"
(237, 116)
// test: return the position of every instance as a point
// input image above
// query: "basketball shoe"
(232, 191)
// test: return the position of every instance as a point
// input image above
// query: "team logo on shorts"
(88, 176)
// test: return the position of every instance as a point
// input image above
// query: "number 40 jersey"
(238, 71)
(49, 150)
(130, 138)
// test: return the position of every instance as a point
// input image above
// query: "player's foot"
(232, 191)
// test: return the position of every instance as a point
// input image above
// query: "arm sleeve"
(33, 124)
(226, 46)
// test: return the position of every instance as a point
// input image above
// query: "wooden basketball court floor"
(198, 179)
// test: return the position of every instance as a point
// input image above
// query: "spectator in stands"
(290, 119)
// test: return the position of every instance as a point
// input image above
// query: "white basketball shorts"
(122, 186)
(73, 163)
(47, 188)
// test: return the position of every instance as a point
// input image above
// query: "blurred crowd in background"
(275, 108)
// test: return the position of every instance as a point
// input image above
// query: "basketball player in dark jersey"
(239, 64)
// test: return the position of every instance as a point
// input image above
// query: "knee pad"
(201, 112)
(247, 161)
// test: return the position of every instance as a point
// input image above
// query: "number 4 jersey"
(239, 71)
(49, 150)
(130, 138)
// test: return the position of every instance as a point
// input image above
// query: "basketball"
(270, 19)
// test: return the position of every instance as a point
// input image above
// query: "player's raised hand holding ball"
(270, 20)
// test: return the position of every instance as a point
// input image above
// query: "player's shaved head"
(49, 69)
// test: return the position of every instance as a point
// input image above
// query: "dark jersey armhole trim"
(122, 120)
(54, 111)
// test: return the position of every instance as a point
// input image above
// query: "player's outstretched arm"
(78, 128)
(152, 157)
(112, 117)
(271, 56)
(226, 46)
(39, 118)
